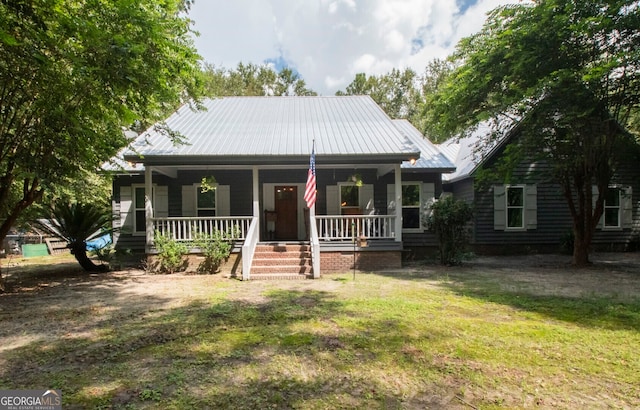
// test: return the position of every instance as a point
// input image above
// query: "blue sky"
(329, 41)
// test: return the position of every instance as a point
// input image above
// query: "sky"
(329, 41)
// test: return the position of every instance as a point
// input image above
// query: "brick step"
(280, 276)
(288, 269)
(280, 248)
(281, 255)
(281, 261)
(266, 261)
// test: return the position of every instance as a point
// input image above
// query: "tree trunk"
(580, 251)
(79, 251)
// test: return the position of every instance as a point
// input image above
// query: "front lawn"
(484, 335)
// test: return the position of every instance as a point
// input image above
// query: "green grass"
(402, 341)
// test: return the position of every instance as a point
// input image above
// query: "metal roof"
(469, 152)
(256, 130)
(430, 156)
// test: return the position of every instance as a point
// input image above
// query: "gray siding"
(553, 217)
(241, 194)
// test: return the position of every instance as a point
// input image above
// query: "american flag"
(310, 189)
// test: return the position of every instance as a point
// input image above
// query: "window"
(612, 208)
(411, 205)
(515, 207)
(206, 202)
(139, 213)
(349, 199)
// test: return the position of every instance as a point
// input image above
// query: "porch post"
(148, 205)
(256, 196)
(398, 201)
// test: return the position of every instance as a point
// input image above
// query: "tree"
(73, 73)
(566, 74)
(253, 80)
(449, 219)
(78, 223)
(401, 93)
(395, 92)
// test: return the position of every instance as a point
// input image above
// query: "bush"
(449, 219)
(216, 248)
(566, 242)
(171, 253)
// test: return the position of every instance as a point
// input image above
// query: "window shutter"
(332, 200)
(499, 208)
(626, 205)
(531, 206)
(223, 207)
(188, 200)
(391, 202)
(126, 202)
(365, 197)
(161, 205)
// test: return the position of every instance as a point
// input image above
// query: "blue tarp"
(99, 242)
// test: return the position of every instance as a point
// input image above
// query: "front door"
(286, 207)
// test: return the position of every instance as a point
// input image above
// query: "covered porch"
(360, 228)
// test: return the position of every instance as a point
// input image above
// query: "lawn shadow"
(267, 353)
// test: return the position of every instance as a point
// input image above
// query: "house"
(530, 213)
(375, 179)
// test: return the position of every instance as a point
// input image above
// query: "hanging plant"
(208, 184)
(356, 179)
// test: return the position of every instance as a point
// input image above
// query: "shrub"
(449, 219)
(566, 242)
(171, 253)
(216, 248)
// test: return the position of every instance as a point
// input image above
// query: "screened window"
(411, 206)
(612, 208)
(515, 207)
(206, 202)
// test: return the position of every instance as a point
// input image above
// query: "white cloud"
(329, 41)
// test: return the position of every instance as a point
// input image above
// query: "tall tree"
(396, 92)
(73, 73)
(568, 73)
(401, 93)
(253, 80)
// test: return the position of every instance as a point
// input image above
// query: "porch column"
(256, 196)
(398, 201)
(148, 205)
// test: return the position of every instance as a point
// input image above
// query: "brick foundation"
(230, 267)
(339, 262)
(330, 262)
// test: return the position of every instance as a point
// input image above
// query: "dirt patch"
(615, 275)
(62, 294)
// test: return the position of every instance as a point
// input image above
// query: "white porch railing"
(249, 248)
(346, 227)
(184, 229)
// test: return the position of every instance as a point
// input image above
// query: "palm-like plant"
(78, 223)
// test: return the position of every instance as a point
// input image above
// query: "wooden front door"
(286, 207)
